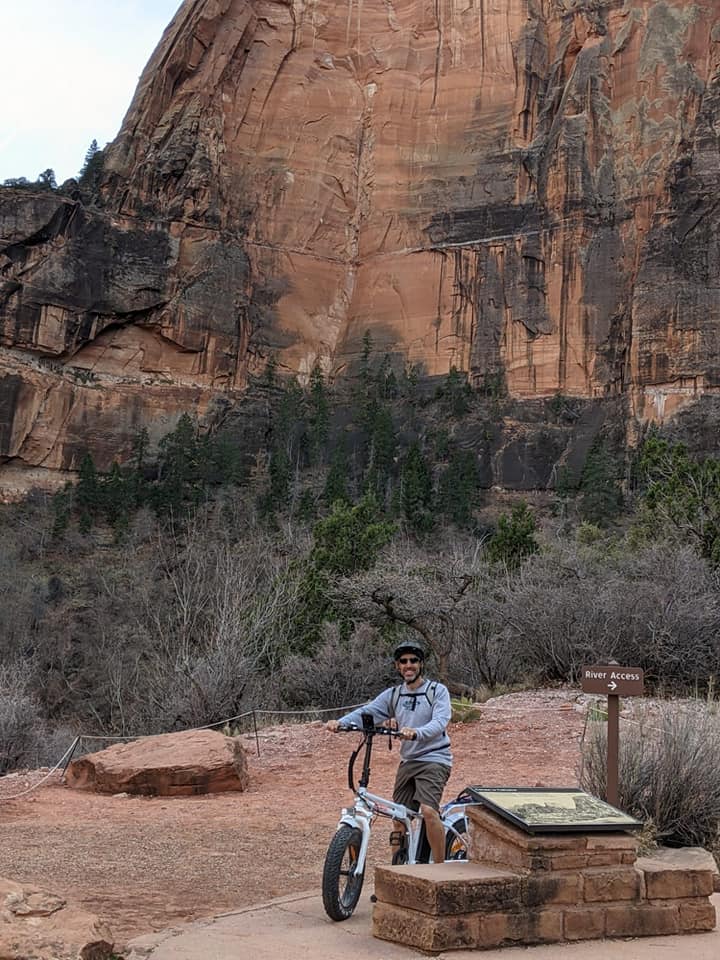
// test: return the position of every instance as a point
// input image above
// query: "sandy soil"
(145, 864)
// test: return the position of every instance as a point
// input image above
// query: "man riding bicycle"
(420, 710)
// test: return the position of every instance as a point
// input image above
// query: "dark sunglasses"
(409, 660)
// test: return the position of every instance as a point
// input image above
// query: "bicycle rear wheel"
(456, 844)
(341, 884)
(401, 855)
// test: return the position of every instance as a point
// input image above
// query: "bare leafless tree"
(430, 595)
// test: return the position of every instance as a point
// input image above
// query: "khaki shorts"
(417, 782)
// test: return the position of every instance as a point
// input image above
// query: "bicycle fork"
(360, 820)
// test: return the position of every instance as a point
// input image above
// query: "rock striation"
(525, 189)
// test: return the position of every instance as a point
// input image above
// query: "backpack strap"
(429, 693)
(395, 699)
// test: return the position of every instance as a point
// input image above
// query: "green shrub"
(464, 710)
(514, 539)
(588, 533)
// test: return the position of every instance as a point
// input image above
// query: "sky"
(68, 71)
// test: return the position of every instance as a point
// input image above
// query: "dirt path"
(144, 864)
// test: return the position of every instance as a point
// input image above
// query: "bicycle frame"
(368, 806)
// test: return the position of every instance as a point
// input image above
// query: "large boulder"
(169, 765)
(39, 925)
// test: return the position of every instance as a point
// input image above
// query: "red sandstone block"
(563, 843)
(622, 883)
(529, 926)
(642, 920)
(609, 858)
(677, 873)
(431, 934)
(584, 923)
(613, 841)
(488, 849)
(544, 888)
(697, 916)
(565, 861)
(483, 820)
(674, 884)
(663, 883)
(448, 888)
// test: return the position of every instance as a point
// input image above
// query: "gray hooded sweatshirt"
(414, 709)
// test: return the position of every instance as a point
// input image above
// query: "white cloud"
(69, 71)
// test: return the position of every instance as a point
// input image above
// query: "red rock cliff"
(521, 188)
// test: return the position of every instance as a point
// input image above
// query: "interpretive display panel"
(553, 809)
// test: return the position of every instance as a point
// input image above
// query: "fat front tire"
(456, 847)
(341, 885)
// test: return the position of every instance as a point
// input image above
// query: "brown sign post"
(614, 681)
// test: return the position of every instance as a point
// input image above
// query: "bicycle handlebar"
(370, 731)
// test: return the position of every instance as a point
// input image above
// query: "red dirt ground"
(145, 864)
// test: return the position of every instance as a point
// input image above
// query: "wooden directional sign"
(612, 680)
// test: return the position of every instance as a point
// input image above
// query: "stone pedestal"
(523, 889)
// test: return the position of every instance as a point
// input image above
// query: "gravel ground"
(144, 864)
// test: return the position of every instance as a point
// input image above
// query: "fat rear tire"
(341, 886)
(400, 856)
(456, 849)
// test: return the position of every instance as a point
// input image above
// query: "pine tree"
(88, 494)
(366, 397)
(350, 538)
(416, 495)
(270, 373)
(89, 154)
(347, 541)
(456, 393)
(600, 499)
(118, 500)
(459, 486)
(138, 463)
(62, 504)
(410, 383)
(319, 425)
(306, 510)
(92, 169)
(336, 483)
(381, 455)
(280, 475)
(367, 348)
(386, 385)
(514, 539)
(46, 180)
(178, 485)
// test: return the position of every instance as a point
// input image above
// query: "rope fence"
(64, 761)
(592, 711)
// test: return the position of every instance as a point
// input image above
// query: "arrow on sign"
(612, 685)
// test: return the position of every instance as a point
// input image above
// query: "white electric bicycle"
(344, 870)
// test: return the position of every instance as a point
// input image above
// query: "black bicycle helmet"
(409, 647)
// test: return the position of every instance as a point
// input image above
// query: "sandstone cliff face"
(526, 189)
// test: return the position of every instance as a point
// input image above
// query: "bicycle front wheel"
(341, 883)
